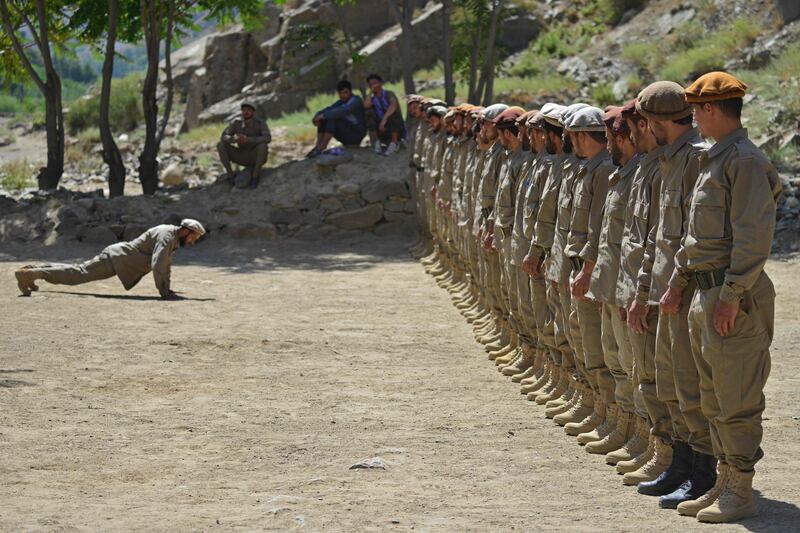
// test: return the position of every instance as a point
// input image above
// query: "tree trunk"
(148, 162)
(404, 18)
(168, 71)
(490, 53)
(447, 55)
(50, 86)
(111, 155)
(474, 98)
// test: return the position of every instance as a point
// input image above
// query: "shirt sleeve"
(753, 183)
(227, 133)
(544, 230)
(161, 264)
(599, 193)
(339, 111)
(645, 273)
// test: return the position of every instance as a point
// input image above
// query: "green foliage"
(125, 107)
(603, 95)
(16, 175)
(610, 11)
(710, 52)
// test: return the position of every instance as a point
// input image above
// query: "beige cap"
(193, 225)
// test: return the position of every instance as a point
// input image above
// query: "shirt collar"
(629, 167)
(721, 146)
(652, 156)
(671, 149)
(595, 162)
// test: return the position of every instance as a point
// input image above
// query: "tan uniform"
(503, 216)
(252, 154)
(729, 233)
(130, 261)
(616, 345)
(677, 380)
(488, 190)
(591, 189)
(633, 283)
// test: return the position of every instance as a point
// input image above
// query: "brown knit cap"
(663, 100)
(508, 118)
(523, 118)
(715, 86)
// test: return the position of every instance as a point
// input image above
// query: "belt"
(576, 262)
(711, 278)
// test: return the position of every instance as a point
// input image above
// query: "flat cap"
(247, 103)
(438, 110)
(663, 100)
(715, 86)
(193, 225)
(614, 121)
(535, 121)
(491, 112)
(414, 98)
(629, 110)
(586, 118)
(570, 110)
(508, 118)
(552, 113)
(523, 118)
(476, 111)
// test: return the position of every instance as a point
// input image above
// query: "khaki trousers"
(644, 358)
(97, 268)
(618, 356)
(524, 306)
(542, 317)
(252, 157)
(562, 352)
(733, 370)
(590, 332)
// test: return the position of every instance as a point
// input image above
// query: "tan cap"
(663, 100)
(193, 225)
(715, 86)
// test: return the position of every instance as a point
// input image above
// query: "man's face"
(659, 131)
(345, 94)
(375, 86)
(414, 109)
(575, 140)
(703, 116)
(450, 126)
(614, 147)
(639, 132)
(468, 123)
(248, 112)
(436, 123)
(458, 124)
(550, 143)
(187, 237)
(491, 131)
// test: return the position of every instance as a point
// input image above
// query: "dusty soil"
(244, 407)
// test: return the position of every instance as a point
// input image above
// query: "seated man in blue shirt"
(343, 121)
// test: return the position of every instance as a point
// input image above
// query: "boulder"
(102, 235)
(378, 189)
(519, 29)
(173, 175)
(251, 231)
(364, 217)
(185, 60)
(789, 10)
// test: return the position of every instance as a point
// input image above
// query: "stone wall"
(299, 199)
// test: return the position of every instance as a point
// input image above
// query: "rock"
(394, 205)
(5, 141)
(791, 203)
(331, 204)
(620, 89)
(286, 216)
(251, 231)
(378, 189)
(573, 67)
(132, 231)
(790, 139)
(348, 188)
(365, 217)
(405, 228)
(375, 462)
(396, 217)
(668, 22)
(123, 137)
(789, 10)
(172, 175)
(102, 235)
(519, 29)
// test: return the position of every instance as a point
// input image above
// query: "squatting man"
(129, 261)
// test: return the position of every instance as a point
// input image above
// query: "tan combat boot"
(634, 446)
(657, 464)
(528, 372)
(558, 390)
(553, 407)
(604, 429)
(692, 507)
(617, 438)
(623, 467)
(539, 369)
(735, 501)
(511, 354)
(589, 422)
(580, 409)
(524, 361)
(574, 394)
(541, 382)
(547, 386)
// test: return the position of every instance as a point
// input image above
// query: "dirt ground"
(244, 407)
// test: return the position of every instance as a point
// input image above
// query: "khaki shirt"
(481, 158)
(678, 176)
(488, 187)
(534, 200)
(448, 165)
(731, 216)
(519, 242)
(255, 129)
(591, 188)
(606, 271)
(467, 201)
(560, 269)
(544, 227)
(420, 135)
(461, 153)
(150, 251)
(506, 190)
(640, 217)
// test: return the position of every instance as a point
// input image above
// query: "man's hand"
(527, 264)
(670, 302)
(580, 285)
(488, 240)
(623, 314)
(725, 317)
(241, 138)
(433, 192)
(382, 126)
(448, 207)
(317, 120)
(637, 317)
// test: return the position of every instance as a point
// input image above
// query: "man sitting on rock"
(384, 117)
(343, 121)
(251, 137)
(129, 261)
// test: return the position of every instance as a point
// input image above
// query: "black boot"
(674, 476)
(703, 478)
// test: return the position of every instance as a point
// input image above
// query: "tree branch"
(18, 48)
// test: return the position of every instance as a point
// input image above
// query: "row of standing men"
(612, 263)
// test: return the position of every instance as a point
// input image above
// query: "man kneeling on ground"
(252, 137)
(129, 261)
(343, 121)
(384, 117)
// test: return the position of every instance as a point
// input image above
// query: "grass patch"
(603, 95)
(711, 52)
(16, 175)
(125, 107)
(207, 133)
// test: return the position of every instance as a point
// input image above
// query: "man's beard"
(616, 154)
(182, 241)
